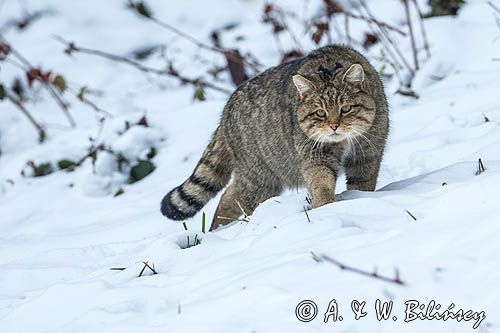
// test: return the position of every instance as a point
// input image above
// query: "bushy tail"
(211, 174)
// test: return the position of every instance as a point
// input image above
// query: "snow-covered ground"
(61, 233)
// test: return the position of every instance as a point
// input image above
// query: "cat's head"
(337, 110)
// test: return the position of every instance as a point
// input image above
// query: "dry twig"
(192, 39)
(412, 36)
(422, 28)
(41, 131)
(375, 275)
(29, 67)
(169, 71)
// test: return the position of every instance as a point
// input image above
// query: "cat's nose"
(334, 127)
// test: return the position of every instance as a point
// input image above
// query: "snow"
(62, 233)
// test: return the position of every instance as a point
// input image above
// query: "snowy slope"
(63, 232)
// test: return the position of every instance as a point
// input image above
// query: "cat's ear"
(354, 75)
(303, 85)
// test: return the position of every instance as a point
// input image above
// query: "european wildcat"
(300, 123)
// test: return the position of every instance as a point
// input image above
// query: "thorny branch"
(71, 47)
(62, 104)
(377, 22)
(134, 5)
(29, 67)
(412, 36)
(422, 28)
(384, 33)
(85, 100)
(375, 275)
(22, 63)
(354, 16)
(492, 5)
(41, 131)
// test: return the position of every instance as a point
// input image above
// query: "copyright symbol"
(306, 311)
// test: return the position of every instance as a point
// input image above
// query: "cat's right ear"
(303, 85)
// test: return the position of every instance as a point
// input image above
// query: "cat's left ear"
(354, 75)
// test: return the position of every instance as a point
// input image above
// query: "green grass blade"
(203, 220)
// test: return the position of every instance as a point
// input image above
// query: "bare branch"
(170, 71)
(375, 275)
(41, 131)
(411, 215)
(480, 167)
(194, 40)
(495, 7)
(149, 266)
(62, 104)
(422, 28)
(377, 22)
(383, 33)
(412, 36)
(85, 100)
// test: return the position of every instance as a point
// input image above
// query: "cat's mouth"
(336, 136)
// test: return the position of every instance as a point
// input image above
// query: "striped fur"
(212, 173)
(277, 132)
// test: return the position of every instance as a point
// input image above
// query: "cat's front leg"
(320, 181)
(362, 174)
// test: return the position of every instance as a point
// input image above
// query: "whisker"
(305, 142)
(361, 147)
(316, 142)
(366, 139)
(373, 135)
(314, 138)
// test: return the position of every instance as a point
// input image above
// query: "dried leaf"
(3, 93)
(332, 7)
(445, 7)
(268, 8)
(39, 170)
(119, 192)
(277, 27)
(151, 154)
(60, 83)
(145, 52)
(143, 122)
(141, 8)
(140, 170)
(18, 88)
(81, 93)
(370, 40)
(199, 94)
(408, 93)
(43, 169)
(321, 28)
(36, 74)
(4, 51)
(290, 55)
(236, 68)
(65, 164)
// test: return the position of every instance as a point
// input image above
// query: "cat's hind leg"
(228, 209)
(242, 197)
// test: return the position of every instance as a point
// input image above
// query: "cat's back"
(267, 91)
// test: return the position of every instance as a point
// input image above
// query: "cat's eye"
(320, 113)
(346, 109)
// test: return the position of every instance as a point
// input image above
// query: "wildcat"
(300, 123)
